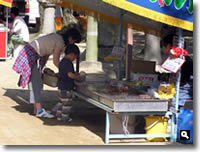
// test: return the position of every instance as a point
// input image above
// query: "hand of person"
(76, 73)
(45, 58)
(75, 76)
(78, 77)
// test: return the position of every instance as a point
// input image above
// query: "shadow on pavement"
(83, 113)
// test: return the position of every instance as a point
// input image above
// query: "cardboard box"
(143, 71)
(144, 67)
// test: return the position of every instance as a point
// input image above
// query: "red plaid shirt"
(23, 64)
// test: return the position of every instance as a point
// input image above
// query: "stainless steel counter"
(132, 101)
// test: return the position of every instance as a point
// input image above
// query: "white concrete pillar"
(49, 23)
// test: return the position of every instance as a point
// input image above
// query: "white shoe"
(68, 120)
(44, 114)
(35, 111)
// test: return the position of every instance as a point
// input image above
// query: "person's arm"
(56, 56)
(16, 27)
(74, 76)
(45, 60)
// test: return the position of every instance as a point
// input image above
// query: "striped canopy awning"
(143, 15)
(7, 3)
(178, 13)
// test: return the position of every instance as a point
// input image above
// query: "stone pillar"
(91, 64)
(152, 48)
(92, 37)
(48, 25)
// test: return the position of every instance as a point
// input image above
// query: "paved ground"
(19, 126)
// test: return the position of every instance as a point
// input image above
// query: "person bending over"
(26, 64)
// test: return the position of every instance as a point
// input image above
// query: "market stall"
(4, 31)
(123, 98)
(175, 13)
(133, 102)
(3, 42)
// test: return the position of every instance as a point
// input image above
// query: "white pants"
(35, 85)
(17, 49)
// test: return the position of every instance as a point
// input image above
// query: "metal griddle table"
(137, 103)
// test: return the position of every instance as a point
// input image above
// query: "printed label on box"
(147, 79)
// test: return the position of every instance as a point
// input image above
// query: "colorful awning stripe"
(177, 13)
(7, 3)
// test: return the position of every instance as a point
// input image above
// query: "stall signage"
(146, 79)
(151, 79)
(173, 64)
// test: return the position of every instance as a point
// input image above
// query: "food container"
(163, 88)
(83, 75)
(50, 78)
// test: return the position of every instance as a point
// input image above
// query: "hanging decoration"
(177, 52)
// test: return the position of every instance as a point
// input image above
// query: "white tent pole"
(179, 72)
(178, 78)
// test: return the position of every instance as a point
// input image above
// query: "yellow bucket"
(156, 125)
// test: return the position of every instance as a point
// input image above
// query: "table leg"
(107, 129)
(173, 129)
(175, 126)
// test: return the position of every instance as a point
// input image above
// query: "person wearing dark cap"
(20, 28)
(186, 81)
(19, 25)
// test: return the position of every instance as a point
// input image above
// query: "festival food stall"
(4, 31)
(177, 13)
(122, 100)
(3, 42)
(125, 97)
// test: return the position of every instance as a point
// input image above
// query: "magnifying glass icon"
(184, 134)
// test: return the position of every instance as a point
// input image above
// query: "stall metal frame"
(109, 111)
(6, 37)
